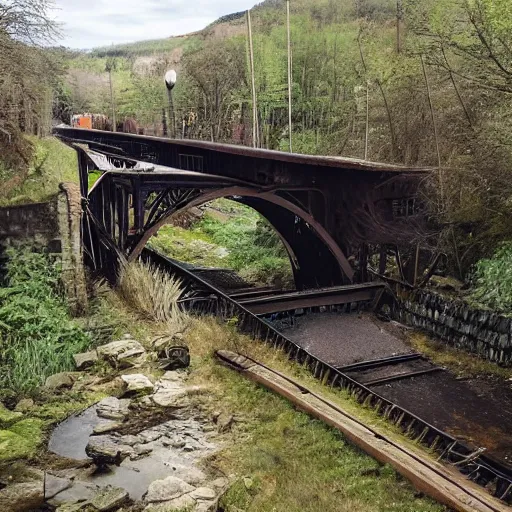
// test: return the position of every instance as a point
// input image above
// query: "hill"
(435, 92)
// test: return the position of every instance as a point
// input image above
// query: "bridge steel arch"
(126, 208)
(354, 208)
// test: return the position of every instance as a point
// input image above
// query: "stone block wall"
(478, 331)
(55, 225)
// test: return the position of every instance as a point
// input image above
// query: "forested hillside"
(435, 75)
(417, 83)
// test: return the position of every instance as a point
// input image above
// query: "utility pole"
(289, 73)
(398, 20)
(367, 119)
(170, 82)
(434, 124)
(109, 67)
(255, 118)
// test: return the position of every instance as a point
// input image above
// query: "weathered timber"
(434, 479)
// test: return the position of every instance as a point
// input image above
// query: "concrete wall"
(478, 331)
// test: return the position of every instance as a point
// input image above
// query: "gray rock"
(192, 476)
(22, 497)
(60, 381)
(109, 498)
(79, 492)
(206, 506)
(203, 493)
(130, 440)
(169, 397)
(105, 428)
(189, 448)
(53, 485)
(142, 449)
(122, 350)
(178, 443)
(24, 405)
(73, 507)
(137, 383)
(166, 490)
(149, 436)
(112, 408)
(106, 450)
(85, 360)
(172, 376)
(220, 483)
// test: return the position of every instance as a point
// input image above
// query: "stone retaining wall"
(30, 221)
(481, 332)
(55, 225)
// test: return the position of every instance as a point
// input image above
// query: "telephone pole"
(289, 73)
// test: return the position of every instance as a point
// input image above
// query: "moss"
(21, 440)
(7, 417)
(59, 408)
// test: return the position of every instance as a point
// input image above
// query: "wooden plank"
(441, 483)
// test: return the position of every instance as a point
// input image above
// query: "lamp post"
(170, 82)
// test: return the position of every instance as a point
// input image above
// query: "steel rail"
(278, 303)
(375, 363)
(401, 376)
(206, 299)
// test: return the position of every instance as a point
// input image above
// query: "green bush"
(37, 336)
(492, 280)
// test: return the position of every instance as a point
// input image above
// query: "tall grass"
(153, 293)
(37, 335)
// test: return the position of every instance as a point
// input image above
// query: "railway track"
(202, 297)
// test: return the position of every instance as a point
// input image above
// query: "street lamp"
(170, 82)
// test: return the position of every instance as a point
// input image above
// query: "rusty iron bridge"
(332, 214)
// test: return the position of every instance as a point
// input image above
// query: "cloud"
(90, 23)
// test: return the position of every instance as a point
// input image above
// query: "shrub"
(153, 293)
(37, 335)
(492, 279)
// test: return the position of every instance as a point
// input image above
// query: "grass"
(54, 163)
(230, 235)
(281, 459)
(37, 335)
(153, 293)
(460, 362)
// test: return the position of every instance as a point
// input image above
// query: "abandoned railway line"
(202, 297)
(326, 324)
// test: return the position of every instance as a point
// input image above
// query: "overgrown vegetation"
(282, 459)
(37, 336)
(492, 280)
(153, 293)
(52, 163)
(230, 235)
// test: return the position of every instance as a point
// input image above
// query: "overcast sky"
(90, 23)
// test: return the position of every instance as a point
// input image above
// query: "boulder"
(64, 380)
(22, 497)
(53, 485)
(24, 405)
(192, 476)
(106, 450)
(167, 489)
(122, 353)
(137, 384)
(109, 498)
(203, 493)
(111, 408)
(85, 360)
(105, 428)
